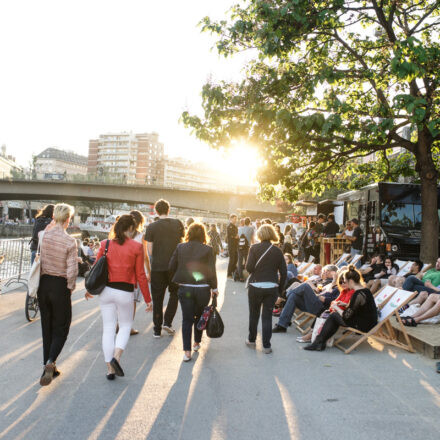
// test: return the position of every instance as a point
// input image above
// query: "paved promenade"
(227, 392)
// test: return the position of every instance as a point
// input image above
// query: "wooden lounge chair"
(303, 267)
(355, 259)
(405, 269)
(401, 263)
(343, 258)
(383, 296)
(383, 330)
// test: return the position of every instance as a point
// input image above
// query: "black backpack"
(243, 243)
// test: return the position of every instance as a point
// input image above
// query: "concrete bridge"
(216, 202)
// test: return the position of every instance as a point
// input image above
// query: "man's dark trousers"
(160, 280)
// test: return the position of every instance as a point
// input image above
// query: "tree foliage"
(331, 83)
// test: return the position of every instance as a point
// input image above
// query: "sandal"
(409, 321)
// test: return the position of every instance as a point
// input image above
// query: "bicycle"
(31, 307)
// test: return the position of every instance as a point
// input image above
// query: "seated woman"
(429, 309)
(339, 304)
(375, 267)
(292, 271)
(361, 312)
(416, 269)
(388, 269)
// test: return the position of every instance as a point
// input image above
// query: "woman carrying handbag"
(268, 272)
(58, 269)
(192, 267)
(125, 262)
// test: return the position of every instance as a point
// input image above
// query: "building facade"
(7, 164)
(127, 157)
(53, 163)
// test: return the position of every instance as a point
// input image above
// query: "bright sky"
(73, 70)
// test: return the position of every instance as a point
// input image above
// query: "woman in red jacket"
(125, 270)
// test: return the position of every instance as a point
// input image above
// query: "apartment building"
(53, 163)
(7, 164)
(128, 157)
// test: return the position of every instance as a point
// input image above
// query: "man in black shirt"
(162, 238)
(331, 228)
(232, 239)
(319, 226)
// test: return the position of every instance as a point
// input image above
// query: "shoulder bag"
(35, 273)
(249, 277)
(97, 278)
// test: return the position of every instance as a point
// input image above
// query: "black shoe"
(56, 373)
(118, 369)
(437, 365)
(315, 346)
(110, 376)
(279, 329)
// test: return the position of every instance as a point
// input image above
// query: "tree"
(330, 84)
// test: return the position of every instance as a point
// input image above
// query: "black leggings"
(331, 325)
(55, 304)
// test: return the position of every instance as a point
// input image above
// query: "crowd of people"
(145, 262)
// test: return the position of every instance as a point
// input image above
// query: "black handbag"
(97, 278)
(215, 326)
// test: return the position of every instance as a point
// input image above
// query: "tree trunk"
(430, 222)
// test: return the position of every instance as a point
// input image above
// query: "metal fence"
(15, 260)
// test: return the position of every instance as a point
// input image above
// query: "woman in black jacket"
(42, 219)
(268, 272)
(192, 267)
(361, 312)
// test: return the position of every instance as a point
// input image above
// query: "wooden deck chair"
(303, 267)
(355, 259)
(426, 267)
(401, 263)
(383, 330)
(405, 269)
(342, 258)
(309, 270)
(383, 296)
(303, 321)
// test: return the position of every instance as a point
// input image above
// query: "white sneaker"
(250, 344)
(267, 350)
(169, 330)
(196, 347)
(186, 358)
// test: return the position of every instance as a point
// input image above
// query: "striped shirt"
(59, 255)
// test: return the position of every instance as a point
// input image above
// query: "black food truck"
(390, 216)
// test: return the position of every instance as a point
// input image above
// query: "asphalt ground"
(228, 391)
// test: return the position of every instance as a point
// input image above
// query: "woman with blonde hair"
(58, 269)
(268, 272)
(192, 267)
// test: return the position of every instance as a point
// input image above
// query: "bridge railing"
(15, 261)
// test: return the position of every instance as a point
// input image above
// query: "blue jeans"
(33, 255)
(412, 283)
(302, 297)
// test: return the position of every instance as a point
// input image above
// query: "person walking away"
(42, 219)
(246, 238)
(192, 267)
(214, 240)
(268, 273)
(125, 259)
(162, 237)
(331, 228)
(356, 240)
(139, 221)
(232, 240)
(361, 312)
(59, 269)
